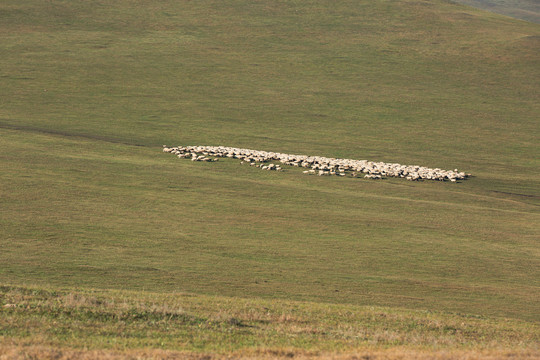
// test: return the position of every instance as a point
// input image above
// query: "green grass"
(90, 91)
(120, 320)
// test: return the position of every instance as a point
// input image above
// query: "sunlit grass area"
(114, 321)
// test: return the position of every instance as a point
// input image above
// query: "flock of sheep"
(317, 165)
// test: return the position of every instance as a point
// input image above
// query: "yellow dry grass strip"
(15, 351)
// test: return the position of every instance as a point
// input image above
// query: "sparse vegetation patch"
(113, 321)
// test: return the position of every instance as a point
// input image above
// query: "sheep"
(324, 165)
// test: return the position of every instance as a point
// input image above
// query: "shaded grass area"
(405, 81)
(90, 91)
(215, 325)
(528, 10)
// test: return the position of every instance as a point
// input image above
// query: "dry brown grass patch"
(23, 351)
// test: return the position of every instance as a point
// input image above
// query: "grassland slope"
(90, 90)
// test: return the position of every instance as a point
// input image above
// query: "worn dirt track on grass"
(16, 352)
(37, 130)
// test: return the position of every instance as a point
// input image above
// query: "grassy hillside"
(109, 323)
(90, 91)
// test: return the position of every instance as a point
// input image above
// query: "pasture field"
(90, 90)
